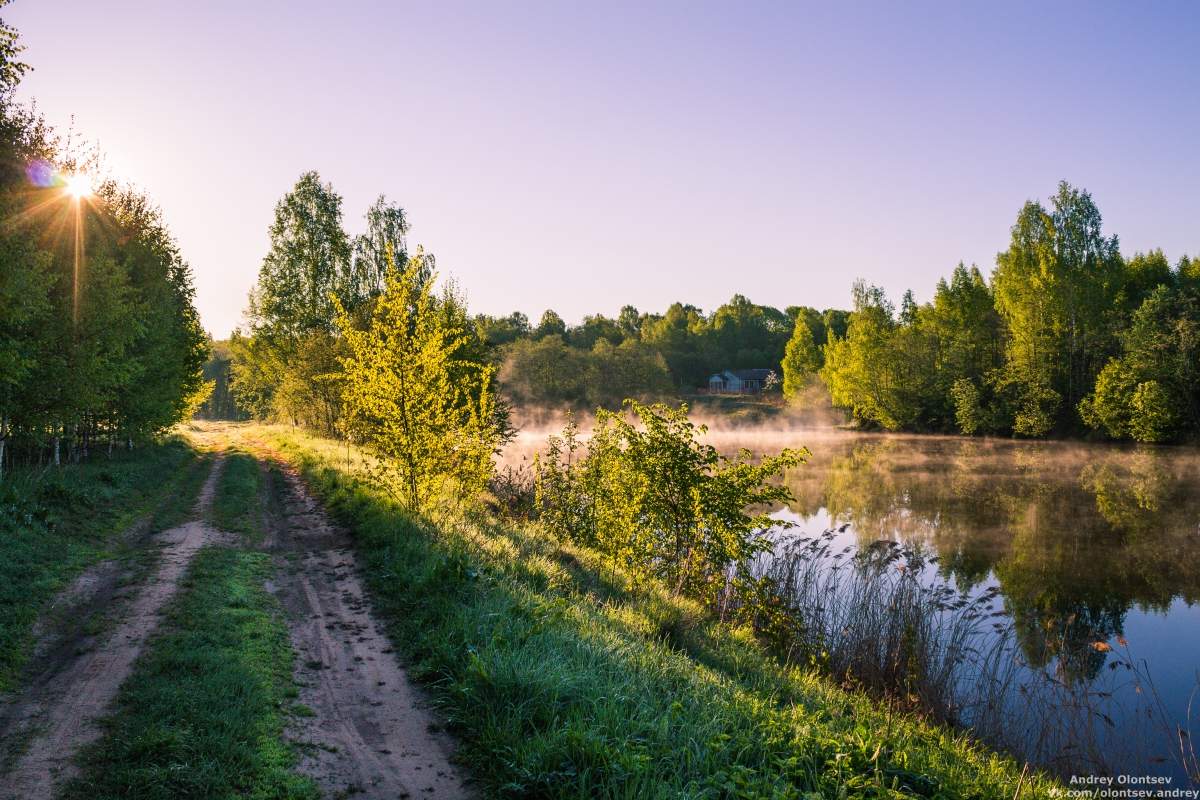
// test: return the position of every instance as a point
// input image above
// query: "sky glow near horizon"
(584, 158)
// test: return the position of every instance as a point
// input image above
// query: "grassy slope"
(202, 716)
(561, 683)
(53, 523)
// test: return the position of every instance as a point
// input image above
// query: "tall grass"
(869, 619)
(562, 680)
(882, 620)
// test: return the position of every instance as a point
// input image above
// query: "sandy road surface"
(373, 735)
(75, 684)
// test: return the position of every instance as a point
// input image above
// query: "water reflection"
(1095, 550)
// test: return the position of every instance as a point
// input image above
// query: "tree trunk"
(57, 460)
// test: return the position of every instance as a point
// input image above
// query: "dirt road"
(371, 735)
(76, 675)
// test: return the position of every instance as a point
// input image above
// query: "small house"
(740, 381)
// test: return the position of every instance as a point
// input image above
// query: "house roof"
(752, 374)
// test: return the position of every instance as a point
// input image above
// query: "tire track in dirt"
(371, 735)
(62, 704)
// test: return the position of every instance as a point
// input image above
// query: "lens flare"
(79, 185)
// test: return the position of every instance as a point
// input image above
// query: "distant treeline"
(220, 402)
(601, 361)
(99, 339)
(289, 362)
(1066, 336)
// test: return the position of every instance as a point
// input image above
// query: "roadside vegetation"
(604, 635)
(100, 342)
(564, 676)
(203, 714)
(55, 522)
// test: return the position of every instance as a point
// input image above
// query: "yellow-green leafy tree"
(415, 399)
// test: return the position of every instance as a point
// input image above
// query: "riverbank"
(560, 680)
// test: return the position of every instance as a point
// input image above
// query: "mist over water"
(1093, 548)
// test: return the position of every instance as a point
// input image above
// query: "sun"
(79, 185)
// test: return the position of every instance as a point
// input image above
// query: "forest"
(1066, 337)
(100, 343)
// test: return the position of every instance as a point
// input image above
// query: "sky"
(582, 157)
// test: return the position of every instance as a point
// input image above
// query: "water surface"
(1095, 551)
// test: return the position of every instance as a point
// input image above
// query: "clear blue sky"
(582, 157)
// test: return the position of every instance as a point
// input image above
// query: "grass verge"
(561, 681)
(203, 714)
(55, 522)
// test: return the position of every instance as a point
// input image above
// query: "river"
(1093, 551)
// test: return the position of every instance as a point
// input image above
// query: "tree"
(801, 360)
(96, 342)
(551, 324)
(414, 401)
(593, 329)
(307, 265)
(1151, 392)
(292, 307)
(882, 370)
(630, 321)
(386, 237)
(1054, 288)
(652, 496)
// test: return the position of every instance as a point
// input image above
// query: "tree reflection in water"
(1095, 550)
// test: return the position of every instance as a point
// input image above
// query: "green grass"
(236, 506)
(55, 522)
(561, 681)
(203, 713)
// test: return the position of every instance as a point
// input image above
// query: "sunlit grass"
(560, 680)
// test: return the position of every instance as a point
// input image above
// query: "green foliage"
(678, 349)
(11, 69)
(99, 339)
(562, 681)
(1110, 405)
(307, 266)
(801, 359)
(1026, 352)
(203, 714)
(549, 372)
(54, 523)
(385, 238)
(220, 402)
(968, 409)
(1151, 392)
(415, 399)
(655, 499)
(1054, 286)
(551, 324)
(1154, 416)
(881, 370)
